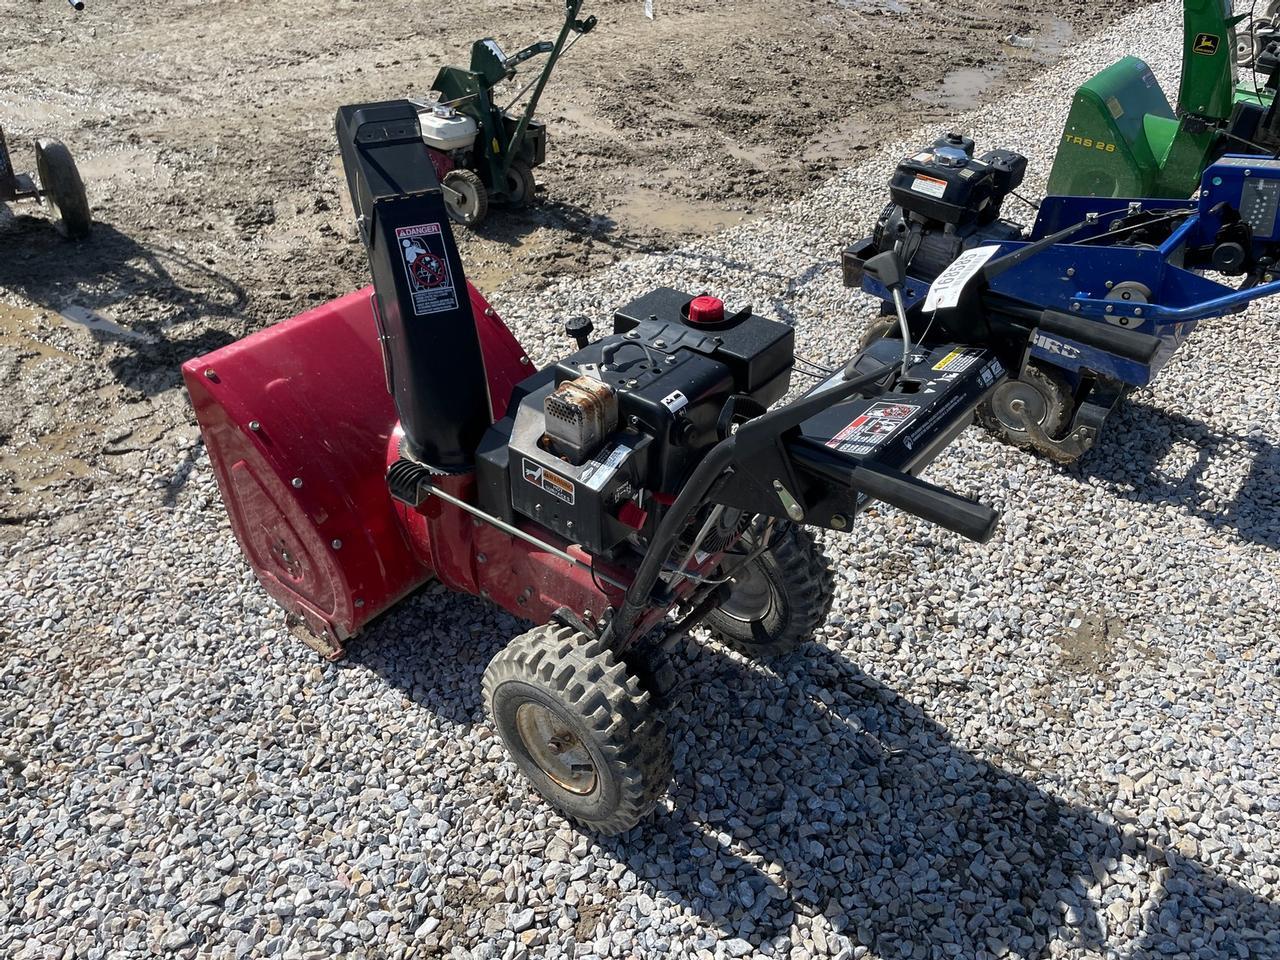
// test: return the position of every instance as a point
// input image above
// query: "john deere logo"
(1206, 44)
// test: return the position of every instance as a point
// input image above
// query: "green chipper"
(483, 152)
(1124, 139)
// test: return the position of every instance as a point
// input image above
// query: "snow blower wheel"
(1039, 395)
(62, 188)
(579, 727)
(779, 599)
(466, 197)
(883, 327)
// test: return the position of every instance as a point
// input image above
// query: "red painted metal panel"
(305, 489)
(300, 429)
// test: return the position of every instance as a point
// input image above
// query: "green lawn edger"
(1123, 138)
(483, 152)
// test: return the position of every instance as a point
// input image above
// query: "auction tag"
(945, 291)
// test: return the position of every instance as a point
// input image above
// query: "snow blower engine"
(634, 488)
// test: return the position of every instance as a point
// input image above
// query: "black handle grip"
(918, 497)
(926, 500)
(1130, 344)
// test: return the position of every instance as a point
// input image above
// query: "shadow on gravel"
(1150, 455)
(907, 843)
(857, 806)
(111, 274)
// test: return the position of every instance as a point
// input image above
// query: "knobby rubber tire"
(802, 589)
(472, 181)
(591, 690)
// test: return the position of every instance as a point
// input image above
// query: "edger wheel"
(63, 189)
(1045, 396)
(779, 600)
(579, 726)
(520, 183)
(466, 197)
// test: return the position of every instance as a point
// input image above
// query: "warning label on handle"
(426, 265)
(870, 429)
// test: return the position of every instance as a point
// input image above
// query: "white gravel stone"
(1063, 743)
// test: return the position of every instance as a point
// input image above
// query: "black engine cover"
(671, 379)
(944, 201)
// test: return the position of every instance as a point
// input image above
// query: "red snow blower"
(616, 498)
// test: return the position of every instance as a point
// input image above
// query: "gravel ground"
(1063, 743)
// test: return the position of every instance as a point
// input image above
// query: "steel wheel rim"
(467, 201)
(751, 596)
(555, 748)
(1033, 403)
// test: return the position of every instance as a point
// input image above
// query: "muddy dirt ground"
(204, 132)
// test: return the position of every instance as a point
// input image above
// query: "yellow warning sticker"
(959, 359)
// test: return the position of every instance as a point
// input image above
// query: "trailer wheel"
(781, 597)
(466, 197)
(580, 727)
(1044, 395)
(520, 183)
(63, 189)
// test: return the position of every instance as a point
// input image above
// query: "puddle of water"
(100, 324)
(578, 120)
(872, 6)
(962, 89)
(1053, 36)
(760, 158)
(125, 165)
(841, 141)
(18, 327)
(649, 208)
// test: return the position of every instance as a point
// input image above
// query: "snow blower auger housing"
(1123, 138)
(1088, 303)
(616, 498)
(483, 152)
(57, 182)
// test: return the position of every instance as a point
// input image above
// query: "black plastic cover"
(430, 345)
(957, 193)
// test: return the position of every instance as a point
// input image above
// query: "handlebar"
(925, 500)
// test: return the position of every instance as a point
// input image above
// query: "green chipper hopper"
(1123, 139)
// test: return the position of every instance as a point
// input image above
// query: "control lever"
(889, 269)
(580, 329)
